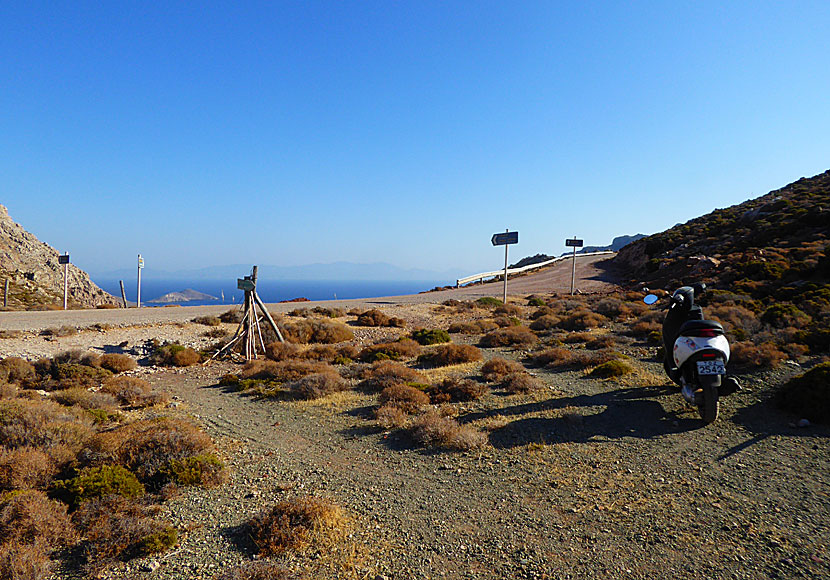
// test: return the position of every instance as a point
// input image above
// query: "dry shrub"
(577, 337)
(16, 370)
(497, 368)
(542, 311)
(808, 394)
(116, 528)
(10, 334)
(450, 354)
(231, 316)
(509, 310)
(317, 385)
(386, 373)
(148, 446)
(132, 391)
(392, 350)
(546, 322)
(433, 430)
(553, 357)
(601, 342)
(25, 468)
(256, 571)
(405, 397)
(643, 328)
(505, 321)
(297, 525)
(512, 336)
(453, 390)
(175, 355)
(69, 375)
(748, 355)
(612, 368)
(205, 470)
(31, 517)
(85, 399)
(582, 319)
(22, 561)
(283, 371)
(521, 382)
(612, 308)
(8, 391)
(207, 320)
(282, 350)
(391, 416)
(43, 424)
(100, 481)
(60, 332)
(315, 330)
(375, 317)
(472, 327)
(117, 363)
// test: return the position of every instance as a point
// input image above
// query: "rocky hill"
(35, 276)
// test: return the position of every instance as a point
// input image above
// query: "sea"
(268, 290)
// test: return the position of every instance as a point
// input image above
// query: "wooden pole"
(123, 294)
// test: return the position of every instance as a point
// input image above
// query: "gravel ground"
(582, 479)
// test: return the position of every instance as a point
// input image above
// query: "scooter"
(696, 352)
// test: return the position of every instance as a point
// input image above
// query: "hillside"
(35, 276)
(769, 255)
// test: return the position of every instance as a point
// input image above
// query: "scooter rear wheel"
(708, 404)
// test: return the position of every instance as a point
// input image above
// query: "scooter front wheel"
(707, 403)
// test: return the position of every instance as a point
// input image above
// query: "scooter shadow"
(630, 412)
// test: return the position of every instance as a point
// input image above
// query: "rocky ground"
(584, 478)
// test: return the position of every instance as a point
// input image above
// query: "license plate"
(711, 367)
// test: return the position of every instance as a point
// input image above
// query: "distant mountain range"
(332, 271)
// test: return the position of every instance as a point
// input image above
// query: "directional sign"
(574, 242)
(245, 284)
(505, 238)
(64, 259)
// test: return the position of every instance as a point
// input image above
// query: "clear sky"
(286, 133)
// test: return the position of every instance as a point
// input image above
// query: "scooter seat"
(697, 327)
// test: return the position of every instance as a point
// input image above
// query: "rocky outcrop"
(35, 276)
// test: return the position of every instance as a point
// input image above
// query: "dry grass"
(43, 424)
(545, 322)
(298, 525)
(472, 327)
(16, 370)
(375, 317)
(207, 320)
(31, 517)
(749, 356)
(175, 355)
(86, 399)
(521, 382)
(23, 561)
(454, 389)
(132, 391)
(450, 354)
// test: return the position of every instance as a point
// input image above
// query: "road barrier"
(483, 275)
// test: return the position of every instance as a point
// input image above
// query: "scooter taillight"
(705, 333)
(708, 355)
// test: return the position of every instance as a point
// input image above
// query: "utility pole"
(140, 267)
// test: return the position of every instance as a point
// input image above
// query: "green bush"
(808, 394)
(433, 336)
(535, 301)
(205, 469)
(784, 315)
(159, 541)
(98, 482)
(488, 301)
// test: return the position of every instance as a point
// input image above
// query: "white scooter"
(696, 352)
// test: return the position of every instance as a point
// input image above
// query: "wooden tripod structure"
(249, 331)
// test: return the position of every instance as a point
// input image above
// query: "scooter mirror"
(651, 299)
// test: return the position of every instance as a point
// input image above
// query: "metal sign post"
(575, 243)
(65, 261)
(505, 240)
(140, 268)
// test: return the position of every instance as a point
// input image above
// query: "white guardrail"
(484, 275)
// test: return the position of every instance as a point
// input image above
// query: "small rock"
(804, 423)
(150, 566)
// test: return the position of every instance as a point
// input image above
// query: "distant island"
(187, 295)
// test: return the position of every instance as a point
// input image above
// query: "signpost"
(65, 261)
(140, 268)
(505, 240)
(574, 243)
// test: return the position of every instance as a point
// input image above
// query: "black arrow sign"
(505, 238)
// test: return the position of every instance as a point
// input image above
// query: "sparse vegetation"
(297, 525)
(432, 336)
(375, 317)
(433, 430)
(510, 336)
(450, 354)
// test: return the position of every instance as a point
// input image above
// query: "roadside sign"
(140, 262)
(64, 259)
(245, 284)
(576, 243)
(505, 238)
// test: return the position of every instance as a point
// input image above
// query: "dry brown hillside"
(34, 275)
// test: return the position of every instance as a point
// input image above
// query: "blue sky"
(287, 133)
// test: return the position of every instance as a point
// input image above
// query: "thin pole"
(6, 294)
(65, 284)
(138, 293)
(505, 269)
(123, 294)
(573, 271)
